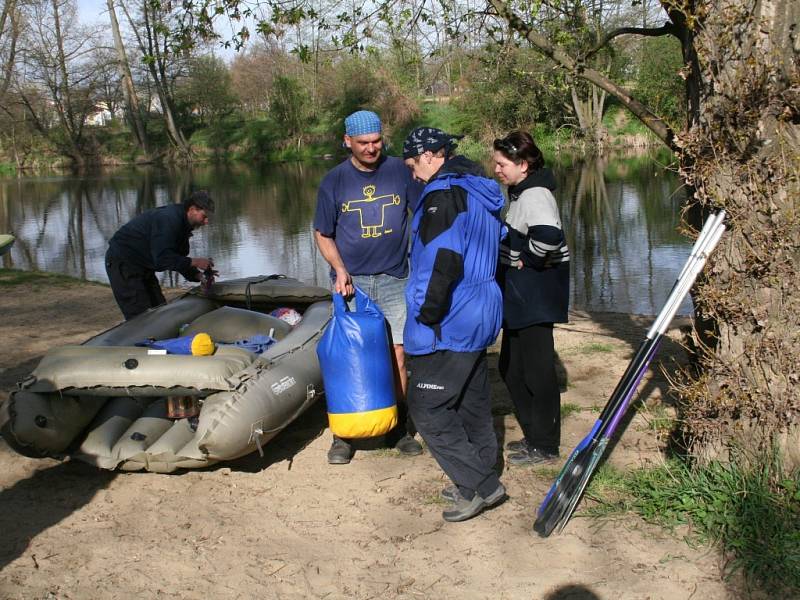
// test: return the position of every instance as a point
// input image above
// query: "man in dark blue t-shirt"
(361, 229)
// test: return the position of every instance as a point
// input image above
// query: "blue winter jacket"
(454, 302)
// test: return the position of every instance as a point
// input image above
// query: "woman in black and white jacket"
(534, 276)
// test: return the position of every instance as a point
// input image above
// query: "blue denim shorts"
(389, 293)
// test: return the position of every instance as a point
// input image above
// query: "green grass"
(569, 408)
(595, 348)
(657, 418)
(751, 512)
(12, 277)
(547, 473)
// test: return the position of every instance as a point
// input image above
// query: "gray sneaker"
(464, 509)
(517, 446)
(450, 493)
(531, 456)
(340, 453)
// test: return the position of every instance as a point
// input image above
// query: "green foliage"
(515, 89)
(356, 84)
(352, 88)
(658, 84)
(206, 91)
(7, 169)
(752, 512)
(290, 105)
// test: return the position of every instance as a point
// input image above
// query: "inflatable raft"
(105, 401)
(6, 241)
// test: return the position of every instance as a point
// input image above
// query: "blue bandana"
(362, 122)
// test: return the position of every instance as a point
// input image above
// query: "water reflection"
(620, 217)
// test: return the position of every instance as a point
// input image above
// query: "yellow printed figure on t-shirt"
(371, 211)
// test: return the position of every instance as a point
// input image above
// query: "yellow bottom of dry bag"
(363, 424)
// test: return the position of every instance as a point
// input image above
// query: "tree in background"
(133, 111)
(108, 88)
(658, 82)
(56, 59)
(357, 82)
(206, 91)
(289, 107)
(252, 73)
(509, 88)
(153, 26)
(9, 36)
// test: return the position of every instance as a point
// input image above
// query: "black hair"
(518, 146)
(200, 199)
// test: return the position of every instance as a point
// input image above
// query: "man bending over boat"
(156, 240)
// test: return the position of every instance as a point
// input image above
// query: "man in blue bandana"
(361, 229)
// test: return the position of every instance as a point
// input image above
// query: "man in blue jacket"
(454, 313)
(156, 240)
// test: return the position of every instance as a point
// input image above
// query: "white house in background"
(101, 115)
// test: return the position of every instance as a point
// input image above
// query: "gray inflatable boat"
(105, 401)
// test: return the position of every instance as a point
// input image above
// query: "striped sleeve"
(536, 239)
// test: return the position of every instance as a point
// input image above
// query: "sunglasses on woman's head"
(506, 146)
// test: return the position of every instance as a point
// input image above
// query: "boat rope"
(247, 294)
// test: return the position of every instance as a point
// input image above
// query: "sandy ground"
(289, 526)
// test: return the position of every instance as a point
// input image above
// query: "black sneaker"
(450, 493)
(517, 446)
(408, 446)
(531, 456)
(340, 453)
(464, 509)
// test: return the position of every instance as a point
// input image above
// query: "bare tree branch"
(653, 122)
(667, 28)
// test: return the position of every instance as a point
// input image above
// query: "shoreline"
(289, 525)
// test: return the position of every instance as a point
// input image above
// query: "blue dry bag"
(356, 363)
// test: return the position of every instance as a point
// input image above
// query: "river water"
(621, 216)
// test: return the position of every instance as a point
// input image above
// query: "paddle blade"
(577, 492)
(558, 500)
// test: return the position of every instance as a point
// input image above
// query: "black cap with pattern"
(428, 138)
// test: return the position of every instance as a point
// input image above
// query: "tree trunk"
(149, 49)
(63, 97)
(132, 110)
(742, 153)
(9, 16)
(589, 112)
(156, 68)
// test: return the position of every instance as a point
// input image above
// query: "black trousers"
(449, 400)
(527, 365)
(135, 289)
